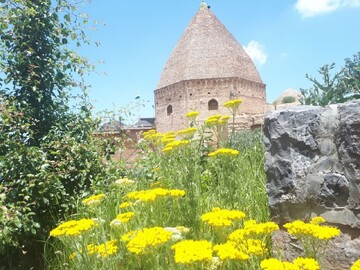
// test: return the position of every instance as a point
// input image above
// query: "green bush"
(288, 99)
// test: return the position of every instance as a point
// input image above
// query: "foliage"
(340, 87)
(36, 59)
(288, 99)
(48, 156)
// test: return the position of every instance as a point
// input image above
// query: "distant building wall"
(174, 101)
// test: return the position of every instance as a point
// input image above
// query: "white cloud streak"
(257, 52)
(311, 8)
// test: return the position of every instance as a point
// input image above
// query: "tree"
(48, 156)
(334, 88)
(37, 64)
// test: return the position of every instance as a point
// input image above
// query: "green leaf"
(67, 17)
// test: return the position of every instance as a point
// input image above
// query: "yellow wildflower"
(93, 200)
(73, 227)
(122, 218)
(224, 152)
(152, 194)
(232, 104)
(192, 114)
(148, 238)
(224, 119)
(125, 205)
(189, 132)
(356, 265)
(306, 263)
(299, 228)
(212, 120)
(221, 217)
(103, 250)
(128, 236)
(229, 251)
(190, 251)
(317, 220)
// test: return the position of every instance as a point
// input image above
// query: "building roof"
(207, 50)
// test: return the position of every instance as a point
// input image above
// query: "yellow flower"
(221, 217)
(212, 120)
(356, 265)
(232, 104)
(189, 132)
(73, 227)
(122, 218)
(128, 236)
(224, 119)
(299, 228)
(253, 246)
(192, 114)
(153, 194)
(125, 205)
(224, 152)
(143, 240)
(229, 251)
(306, 263)
(103, 250)
(190, 251)
(93, 200)
(317, 220)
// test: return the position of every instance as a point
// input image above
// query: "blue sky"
(286, 40)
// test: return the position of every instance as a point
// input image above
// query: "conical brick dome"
(207, 50)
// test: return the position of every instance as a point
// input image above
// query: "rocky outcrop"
(313, 168)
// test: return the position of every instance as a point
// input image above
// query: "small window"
(169, 110)
(213, 105)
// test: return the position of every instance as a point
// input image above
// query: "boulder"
(313, 169)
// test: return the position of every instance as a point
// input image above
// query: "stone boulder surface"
(313, 169)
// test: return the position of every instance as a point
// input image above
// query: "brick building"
(207, 68)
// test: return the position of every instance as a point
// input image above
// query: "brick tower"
(207, 68)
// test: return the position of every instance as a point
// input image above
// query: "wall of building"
(195, 95)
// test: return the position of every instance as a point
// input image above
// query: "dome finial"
(203, 4)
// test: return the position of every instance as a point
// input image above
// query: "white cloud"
(257, 52)
(311, 8)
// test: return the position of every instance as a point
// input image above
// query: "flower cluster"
(356, 265)
(242, 243)
(153, 194)
(233, 104)
(221, 217)
(187, 133)
(122, 218)
(143, 240)
(192, 114)
(125, 205)
(103, 250)
(224, 152)
(217, 119)
(299, 228)
(73, 227)
(229, 251)
(298, 264)
(93, 200)
(253, 229)
(175, 144)
(168, 137)
(190, 251)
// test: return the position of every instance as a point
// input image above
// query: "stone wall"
(193, 95)
(313, 168)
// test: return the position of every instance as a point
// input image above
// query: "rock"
(313, 168)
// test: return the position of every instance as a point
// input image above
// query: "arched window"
(169, 110)
(213, 105)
